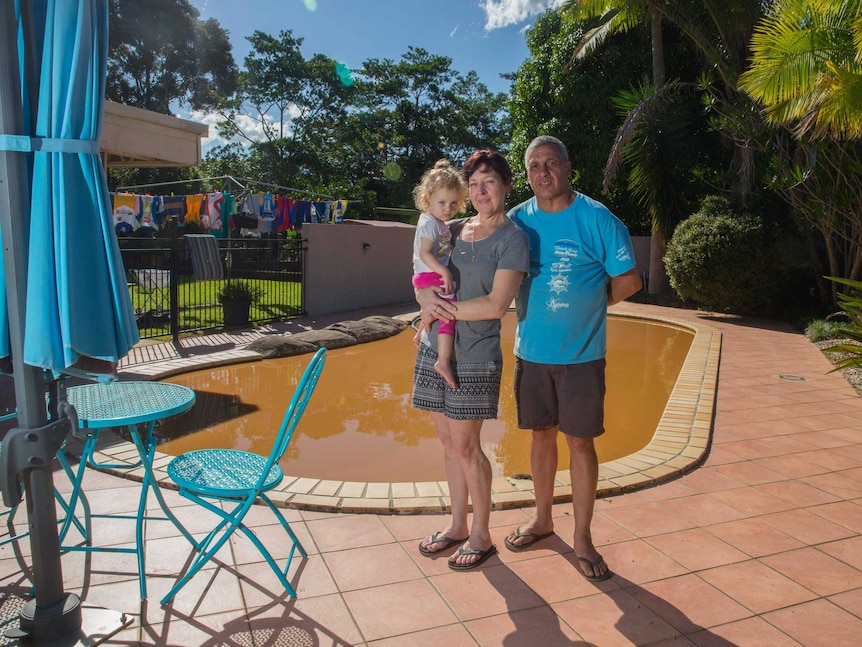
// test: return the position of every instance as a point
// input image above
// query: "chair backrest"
(295, 409)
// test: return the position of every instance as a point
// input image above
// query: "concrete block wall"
(361, 264)
(358, 264)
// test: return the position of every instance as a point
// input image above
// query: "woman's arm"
(491, 306)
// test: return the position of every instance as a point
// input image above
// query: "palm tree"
(806, 71)
(622, 15)
(806, 67)
(720, 30)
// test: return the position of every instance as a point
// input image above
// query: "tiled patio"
(761, 545)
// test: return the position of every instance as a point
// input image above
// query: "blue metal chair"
(227, 482)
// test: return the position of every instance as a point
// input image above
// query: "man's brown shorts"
(570, 396)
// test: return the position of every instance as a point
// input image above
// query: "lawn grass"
(200, 309)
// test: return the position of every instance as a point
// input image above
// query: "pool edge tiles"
(680, 443)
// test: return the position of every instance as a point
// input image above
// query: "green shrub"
(851, 305)
(238, 290)
(821, 330)
(725, 261)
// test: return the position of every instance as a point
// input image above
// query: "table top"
(128, 403)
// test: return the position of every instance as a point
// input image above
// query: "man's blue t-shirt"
(562, 304)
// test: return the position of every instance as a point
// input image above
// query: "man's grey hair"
(546, 140)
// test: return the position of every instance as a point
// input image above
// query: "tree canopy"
(160, 52)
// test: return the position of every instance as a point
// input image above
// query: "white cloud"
(252, 128)
(502, 13)
(454, 31)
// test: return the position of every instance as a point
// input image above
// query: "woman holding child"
(489, 259)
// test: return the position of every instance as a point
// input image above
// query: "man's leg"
(584, 466)
(543, 465)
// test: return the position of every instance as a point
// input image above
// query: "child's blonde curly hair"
(442, 176)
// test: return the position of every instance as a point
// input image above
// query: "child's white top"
(433, 229)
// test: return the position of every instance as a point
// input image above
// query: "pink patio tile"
(844, 513)
(223, 628)
(212, 590)
(851, 601)
(647, 519)
(636, 562)
(855, 474)
(702, 510)
(832, 459)
(450, 636)
(675, 489)
(485, 592)
(752, 501)
(414, 527)
(689, 603)
(604, 530)
(349, 531)
(836, 484)
(847, 550)
(806, 527)
(555, 578)
(553, 545)
(720, 456)
(395, 609)
(817, 624)
(710, 479)
(696, 549)
(757, 586)
(792, 466)
(323, 620)
(799, 494)
(750, 473)
(821, 439)
(751, 631)
(615, 618)
(536, 626)
(370, 566)
(754, 537)
(815, 570)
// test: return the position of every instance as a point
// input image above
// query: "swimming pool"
(359, 426)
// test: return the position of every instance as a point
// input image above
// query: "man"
(581, 261)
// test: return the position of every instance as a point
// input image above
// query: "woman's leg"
(457, 528)
(466, 449)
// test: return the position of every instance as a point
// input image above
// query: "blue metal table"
(125, 404)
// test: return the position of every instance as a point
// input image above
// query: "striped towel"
(205, 257)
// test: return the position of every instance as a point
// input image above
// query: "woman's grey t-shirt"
(508, 248)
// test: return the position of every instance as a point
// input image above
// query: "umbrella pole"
(55, 613)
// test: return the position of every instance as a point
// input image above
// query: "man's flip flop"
(437, 538)
(592, 564)
(532, 538)
(483, 555)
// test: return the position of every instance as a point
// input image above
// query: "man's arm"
(623, 286)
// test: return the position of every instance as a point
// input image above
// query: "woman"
(489, 260)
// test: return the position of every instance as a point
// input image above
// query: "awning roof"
(135, 137)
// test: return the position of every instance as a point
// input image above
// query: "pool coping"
(680, 443)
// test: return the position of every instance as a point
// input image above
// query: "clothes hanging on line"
(250, 213)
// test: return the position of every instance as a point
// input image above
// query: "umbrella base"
(67, 624)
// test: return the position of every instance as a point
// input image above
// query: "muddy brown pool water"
(359, 425)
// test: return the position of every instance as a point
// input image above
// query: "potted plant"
(236, 298)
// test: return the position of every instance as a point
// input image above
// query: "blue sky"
(482, 35)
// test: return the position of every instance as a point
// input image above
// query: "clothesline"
(253, 213)
(233, 179)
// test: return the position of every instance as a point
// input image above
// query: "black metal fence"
(168, 301)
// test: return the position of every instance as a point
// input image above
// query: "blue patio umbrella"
(69, 311)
